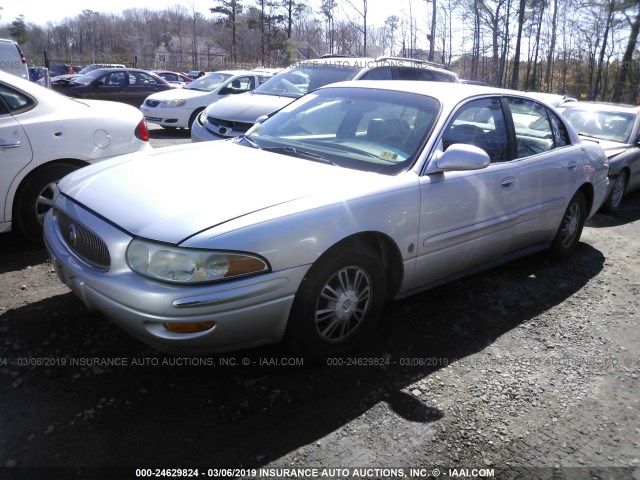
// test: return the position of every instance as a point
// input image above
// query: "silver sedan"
(355, 194)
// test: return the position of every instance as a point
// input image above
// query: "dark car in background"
(126, 85)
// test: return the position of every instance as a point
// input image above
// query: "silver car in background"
(616, 128)
(355, 194)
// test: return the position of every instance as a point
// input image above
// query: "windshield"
(603, 125)
(364, 128)
(208, 83)
(89, 68)
(88, 78)
(301, 79)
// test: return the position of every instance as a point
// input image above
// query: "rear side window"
(406, 73)
(533, 128)
(380, 73)
(14, 101)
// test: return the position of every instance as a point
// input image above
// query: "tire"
(194, 115)
(613, 201)
(568, 235)
(338, 304)
(35, 199)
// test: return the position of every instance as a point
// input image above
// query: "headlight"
(172, 103)
(186, 265)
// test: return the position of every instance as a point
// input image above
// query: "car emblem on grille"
(73, 234)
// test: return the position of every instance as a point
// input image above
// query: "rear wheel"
(568, 235)
(614, 199)
(338, 304)
(35, 199)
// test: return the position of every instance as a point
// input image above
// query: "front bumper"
(199, 133)
(167, 117)
(247, 312)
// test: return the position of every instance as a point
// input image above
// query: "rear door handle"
(572, 165)
(508, 183)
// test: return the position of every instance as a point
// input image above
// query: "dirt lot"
(527, 371)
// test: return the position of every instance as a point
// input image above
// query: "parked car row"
(347, 184)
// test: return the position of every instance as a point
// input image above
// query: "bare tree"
(627, 58)
(515, 74)
(362, 11)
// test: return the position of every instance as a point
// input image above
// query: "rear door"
(547, 169)
(15, 149)
(140, 85)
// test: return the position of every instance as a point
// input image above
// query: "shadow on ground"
(205, 414)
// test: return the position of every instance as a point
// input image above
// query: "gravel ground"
(529, 370)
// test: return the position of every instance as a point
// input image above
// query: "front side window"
(115, 79)
(364, 129)
(242, 84)
(480, 123)
(140, 78)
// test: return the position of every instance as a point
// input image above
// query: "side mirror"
(225, 91)
(99, 83)
(461, 156)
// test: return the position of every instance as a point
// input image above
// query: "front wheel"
(568, 234)
(613, 201)
(338, 304)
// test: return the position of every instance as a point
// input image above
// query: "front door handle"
(508, 183)
(572, 165)
(10, 144)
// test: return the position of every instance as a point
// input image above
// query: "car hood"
(611, 149)
(247, 107)
(183, 93)
(172, 193)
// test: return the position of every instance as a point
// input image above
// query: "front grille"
(152, 103)
(85, 244)
(235, 126)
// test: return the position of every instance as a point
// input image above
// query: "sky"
(43, 11)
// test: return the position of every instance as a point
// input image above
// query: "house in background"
(183, 53)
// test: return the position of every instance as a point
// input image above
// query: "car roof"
(372, 62)
(235, 72)
(449, 94)
(602, 106)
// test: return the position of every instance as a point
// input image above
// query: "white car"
(44, 136)
(179, 108)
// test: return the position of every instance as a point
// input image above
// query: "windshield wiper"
(299, 152)
(590, 137)
(250, 141)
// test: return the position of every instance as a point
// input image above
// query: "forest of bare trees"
(585, 48)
